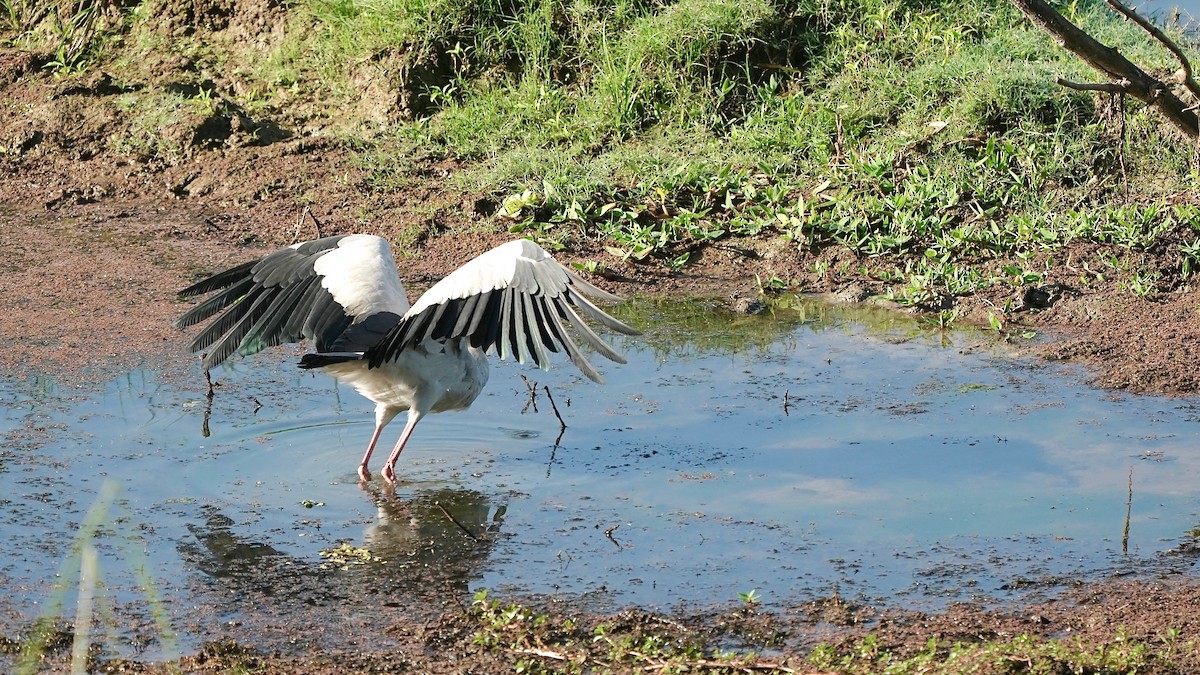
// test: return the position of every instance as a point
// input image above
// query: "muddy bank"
(90, 231)
(93, 288)
(94, 294)
(93, 247)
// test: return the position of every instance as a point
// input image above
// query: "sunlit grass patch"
(932, 134)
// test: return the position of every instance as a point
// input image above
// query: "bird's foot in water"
(363, 474)
(389, 474)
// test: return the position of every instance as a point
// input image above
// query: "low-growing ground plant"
(931, 135)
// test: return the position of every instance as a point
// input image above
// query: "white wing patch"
(519, 264)
(361, 276)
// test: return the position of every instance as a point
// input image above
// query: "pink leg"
(389, 469)
(363, 474)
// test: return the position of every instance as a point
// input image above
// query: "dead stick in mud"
(555, 407)
(544, 653)
(653, 665)
(1128, 513)
(658, 665)
(746, 667)
(455, 521)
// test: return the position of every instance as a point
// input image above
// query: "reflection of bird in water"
(345, 295)
(420, 546)
(451, 530)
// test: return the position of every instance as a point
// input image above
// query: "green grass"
(536, 642)
(1022, 653)
(926, 134)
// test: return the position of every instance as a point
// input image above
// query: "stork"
(344, 295)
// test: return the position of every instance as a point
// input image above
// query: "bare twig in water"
(257, 405)
(455, 521)
(204, 429)
(1128, 513)
(498, 517)
(532, 389)
(556, 413)
(554, 450)
(608, 533)
(786, 403)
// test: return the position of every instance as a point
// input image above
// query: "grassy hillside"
(924, 143)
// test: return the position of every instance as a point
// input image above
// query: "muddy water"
(814, 451)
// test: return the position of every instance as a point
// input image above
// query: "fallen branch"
(1120, 70)
(1156, 33)
(1110, 87)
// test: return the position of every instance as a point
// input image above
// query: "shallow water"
(820, 450)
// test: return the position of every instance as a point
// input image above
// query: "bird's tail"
(310, 361)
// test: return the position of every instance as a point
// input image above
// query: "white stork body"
(344, 294)
(418, 381)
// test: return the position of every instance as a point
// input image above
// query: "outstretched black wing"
(342, 293)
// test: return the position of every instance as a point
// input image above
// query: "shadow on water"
(813, 450)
